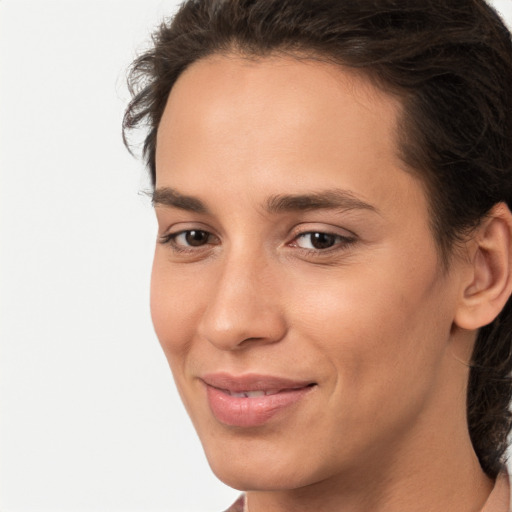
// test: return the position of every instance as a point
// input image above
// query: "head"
(441, 69)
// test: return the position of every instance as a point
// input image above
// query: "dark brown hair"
(450, 61)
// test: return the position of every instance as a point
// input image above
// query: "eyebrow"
(332, 199)
(167, 196)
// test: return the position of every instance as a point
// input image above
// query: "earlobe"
(489, 283)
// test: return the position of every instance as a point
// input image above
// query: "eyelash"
(340, 243)
(170, 239)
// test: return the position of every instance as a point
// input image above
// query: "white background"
(89, 418)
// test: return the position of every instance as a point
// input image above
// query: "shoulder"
(238, 506)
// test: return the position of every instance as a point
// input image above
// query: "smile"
(251, 394)
(251, 401)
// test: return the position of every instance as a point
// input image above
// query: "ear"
(488, 282)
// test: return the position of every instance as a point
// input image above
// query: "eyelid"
(306, 228)
(342, 240)
(172, 226)
(169, 238)
(345, 239)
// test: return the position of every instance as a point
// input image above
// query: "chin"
(260, 468)
(258, 478)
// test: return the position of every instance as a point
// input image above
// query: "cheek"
(379, 328)
(175, 308)
(383, 353)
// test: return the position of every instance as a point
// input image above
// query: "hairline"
(447, 250)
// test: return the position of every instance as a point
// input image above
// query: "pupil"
(322, 240)
(196, 238)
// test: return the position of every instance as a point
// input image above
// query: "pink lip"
(251, 411)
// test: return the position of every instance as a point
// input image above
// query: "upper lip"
(252, 382)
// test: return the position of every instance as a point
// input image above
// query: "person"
(331, 280)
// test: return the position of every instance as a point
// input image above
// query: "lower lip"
(251, 412)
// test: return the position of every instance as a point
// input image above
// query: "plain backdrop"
(89, 418)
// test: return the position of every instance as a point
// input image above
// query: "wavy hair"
(449, 61)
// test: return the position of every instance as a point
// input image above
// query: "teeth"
(253, 394)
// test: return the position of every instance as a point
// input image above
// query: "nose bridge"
(245, 304)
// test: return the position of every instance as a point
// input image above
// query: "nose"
(244, 307)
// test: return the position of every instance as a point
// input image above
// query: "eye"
(192, 238)
(185, 240)
(317, 240)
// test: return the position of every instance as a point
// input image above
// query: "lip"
(252, 411)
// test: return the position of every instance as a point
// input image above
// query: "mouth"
(252, 394)
(252, 400)
(262, 392)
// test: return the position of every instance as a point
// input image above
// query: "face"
(296, 287)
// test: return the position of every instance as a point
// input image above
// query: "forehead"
(278, 124)
(280, 92)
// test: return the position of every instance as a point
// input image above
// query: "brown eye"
(317, 240)
(189, 239)
(322, 240)
(196, 238)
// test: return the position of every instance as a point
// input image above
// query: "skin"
(373, 320)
